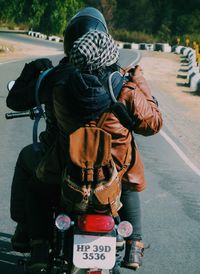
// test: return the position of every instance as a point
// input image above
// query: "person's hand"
(40, 64)
(136, 71)
(32, 70)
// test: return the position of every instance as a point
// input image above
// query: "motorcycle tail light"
(96, 223)
(63, 222)
(94, 272)
(125, 229)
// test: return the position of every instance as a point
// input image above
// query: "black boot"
(20, 240)
(116, 270)
(39, 255)
(133, 254)
(120, 246)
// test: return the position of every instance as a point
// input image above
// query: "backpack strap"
(118, 108)
(102, 119)
(120, 111)
(40, 111)
(114, 206)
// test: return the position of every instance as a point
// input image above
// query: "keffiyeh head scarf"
(94, 50)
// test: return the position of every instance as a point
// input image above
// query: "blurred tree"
(10, 10)
(72, 6)
(135, 15)
(159, 17)
(163, 14)
(107, 7)
(56, 15)
(164, 34)
(188, 23)
(33, 10)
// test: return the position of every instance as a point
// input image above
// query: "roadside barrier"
(186, 51)
(195, 82)
(164, 47)
(182, 50)
(134, 46)
(191, 54)
(120, 45)
(43, 36)
(179, 49)
(192, 71)
(146, 46)
(193, 74)
(54, 38)
(128, 45)
(190, 61)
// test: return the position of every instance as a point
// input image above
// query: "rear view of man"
(84, 70)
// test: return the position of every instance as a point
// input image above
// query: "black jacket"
(85, 94)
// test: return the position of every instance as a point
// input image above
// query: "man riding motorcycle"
(22, 97)
(137, 97)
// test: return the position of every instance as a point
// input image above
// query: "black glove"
(33, 69)
(64, 60)
(41, 64)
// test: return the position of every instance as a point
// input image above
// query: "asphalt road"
(30, 40)
(170, 204)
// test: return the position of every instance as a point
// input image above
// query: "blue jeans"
(131, 212)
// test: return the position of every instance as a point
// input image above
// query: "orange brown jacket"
(136, 96)
(142, 108)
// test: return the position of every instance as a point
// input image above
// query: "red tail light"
(94, 272)
(96, 223)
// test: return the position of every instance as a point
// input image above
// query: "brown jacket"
(142, 108)
(137, 97)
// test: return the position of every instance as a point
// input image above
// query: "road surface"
(170, 204)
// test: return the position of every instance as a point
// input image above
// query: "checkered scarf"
(94, 50)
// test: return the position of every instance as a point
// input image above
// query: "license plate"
(94, 251)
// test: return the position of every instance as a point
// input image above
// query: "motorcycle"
(95, 240)
(85, 243)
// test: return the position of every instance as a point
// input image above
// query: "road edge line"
(180, 152)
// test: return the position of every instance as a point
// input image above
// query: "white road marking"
(180, 153)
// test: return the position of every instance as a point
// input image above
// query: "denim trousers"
(131, 211)
(25, 167)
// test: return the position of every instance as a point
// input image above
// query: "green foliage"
(130, 20)
(107, 7)
(164, 34)
(133, 36)
(11, 25)
(72, 6)
(135, 15)
(189, 23)
(56, 15)
(192, 38)
(33, 11)
(9, 9)
(49, 17)
(54, 18)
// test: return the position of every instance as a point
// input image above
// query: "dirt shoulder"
(180, 106)
(15, 50)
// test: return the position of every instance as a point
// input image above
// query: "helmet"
(85, 20)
